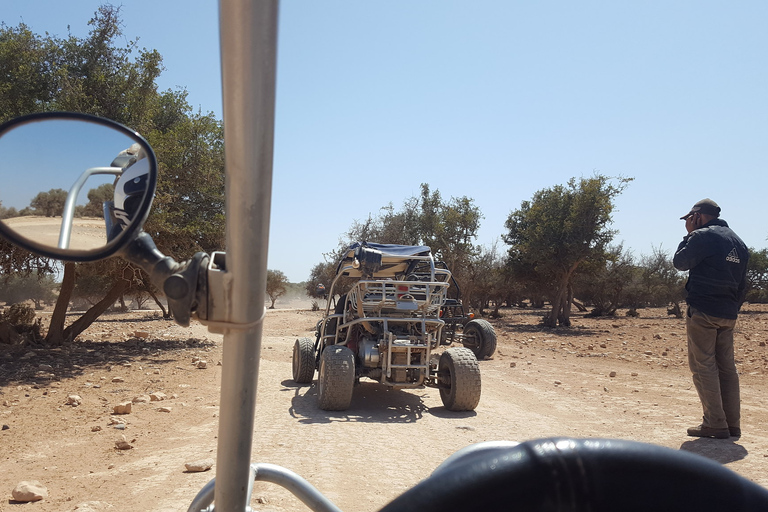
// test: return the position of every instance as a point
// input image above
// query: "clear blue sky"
(489, 99)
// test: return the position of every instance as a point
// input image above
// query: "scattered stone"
(557, 383)
(29, 490)
(157, 397)
(262, 500)
(123, 408)
(116, 421)
(120, 426)
(118, 379)
(612, 374)
(164, 409)
(603, 345)
(465, 427)
(141, 334)
(512, 364)
(634, 374)
(199, 465)
(202, 364)
(74, 400)
(141, 399)
(657, 336)
(648, 353)
(123, 444)
(93, 506)
(96, 428)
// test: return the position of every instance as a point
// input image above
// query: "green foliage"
(757, 276)
(38, 287)
(604, 283)
(18, 314)
(559, 229)
(7, 213)
(188, 210)
(96, 198)
(322, 274)
(49, 204)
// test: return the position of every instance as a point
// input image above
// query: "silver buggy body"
(385, 326)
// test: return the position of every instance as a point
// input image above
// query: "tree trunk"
(55, 334)
(166, 314)
(90, 316)
(561, 304)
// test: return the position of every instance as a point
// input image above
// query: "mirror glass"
(71, 184)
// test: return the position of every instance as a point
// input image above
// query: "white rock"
(141, 399)
(199, 465)
(157, 397)
(29, 490)
(93, 506)
(118, 379)
(74, 400)
(123, 444)
(164, 409)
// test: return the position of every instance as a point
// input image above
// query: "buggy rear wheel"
(336, 378)
(459, 379)
(484, 335)
(303, 361)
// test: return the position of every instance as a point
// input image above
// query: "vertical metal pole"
(248, 34)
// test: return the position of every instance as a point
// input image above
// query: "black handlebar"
(582, 475)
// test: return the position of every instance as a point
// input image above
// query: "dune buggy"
(385, 328)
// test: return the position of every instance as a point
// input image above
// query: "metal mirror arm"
(184, 284)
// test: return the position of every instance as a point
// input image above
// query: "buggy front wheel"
(484, 338)
(459, 379)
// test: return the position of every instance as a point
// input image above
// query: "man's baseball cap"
(705, 206)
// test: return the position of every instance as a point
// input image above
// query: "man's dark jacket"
(716, 259)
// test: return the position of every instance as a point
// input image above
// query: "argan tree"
(277, 285)
(560, 228)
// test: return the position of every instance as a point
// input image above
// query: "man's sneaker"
(734, 431)
(702, 431)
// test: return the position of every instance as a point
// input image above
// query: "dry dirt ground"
(540, 383)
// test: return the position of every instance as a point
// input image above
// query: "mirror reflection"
(70, 183)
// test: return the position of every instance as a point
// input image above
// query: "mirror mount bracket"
(183, 284)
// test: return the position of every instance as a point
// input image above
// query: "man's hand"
(693, 222)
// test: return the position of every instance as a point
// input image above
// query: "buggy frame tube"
(248, 35)
(68, 215)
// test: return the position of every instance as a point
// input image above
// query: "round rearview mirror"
(73, 186)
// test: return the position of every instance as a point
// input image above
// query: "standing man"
(716, 259)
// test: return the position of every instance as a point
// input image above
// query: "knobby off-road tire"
(485, 338)
(336, 378)
(303, 361)
(459, 376)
